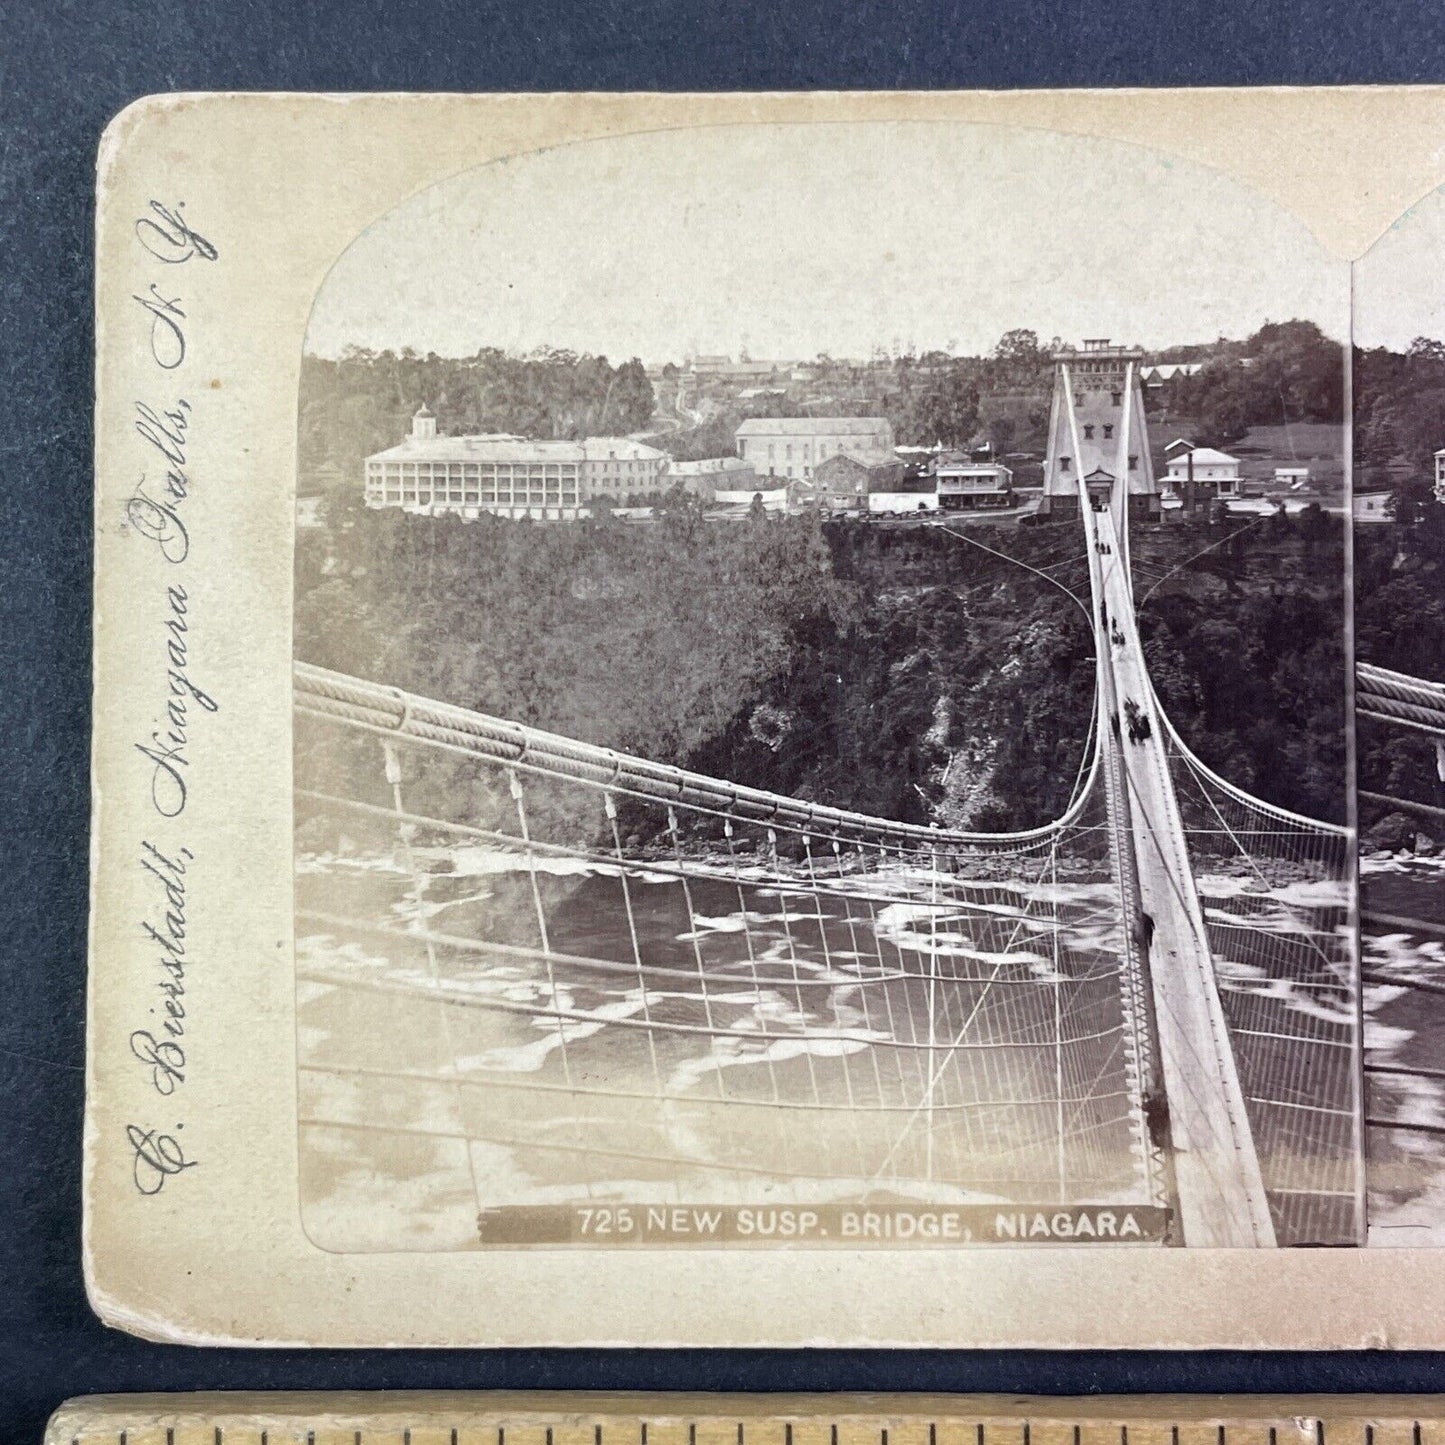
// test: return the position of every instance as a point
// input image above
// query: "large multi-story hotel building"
(791, 446)
(508, 476)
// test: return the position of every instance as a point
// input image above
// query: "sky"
(789, 241)
(1400, 280)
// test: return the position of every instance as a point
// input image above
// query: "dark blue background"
(63, 73)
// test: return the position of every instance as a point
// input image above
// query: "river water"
(1405, 1026)
(782, 1043)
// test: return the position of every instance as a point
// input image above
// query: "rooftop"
(962, 462)
(812, 425)
(709, 465)
(1098, 348)
(1203, 456)
(506, 447)
(873, 458)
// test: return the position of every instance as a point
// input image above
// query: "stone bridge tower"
(1105, 440)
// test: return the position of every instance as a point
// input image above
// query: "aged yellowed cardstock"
(729, 720)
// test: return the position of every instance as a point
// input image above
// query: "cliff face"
(898, 671)
(1245, 643)
(961, 688)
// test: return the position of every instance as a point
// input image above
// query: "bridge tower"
(1098, 468)
(1087, 440)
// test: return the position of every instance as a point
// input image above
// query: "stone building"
(1097, 432)
(793, 446)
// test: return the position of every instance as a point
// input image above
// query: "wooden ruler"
(416, 1418)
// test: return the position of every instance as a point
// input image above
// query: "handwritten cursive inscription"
(165, 1058)
(167, 748)
(170, 937)
(167, 236)
(155, 1158)
(153, 508)
(156, 511)
(167, 336)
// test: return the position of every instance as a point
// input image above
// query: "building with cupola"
(505, 475)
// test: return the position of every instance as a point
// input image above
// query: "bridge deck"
(1221, 1194)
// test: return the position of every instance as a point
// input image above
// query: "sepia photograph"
(1399, 636)
(821, 679)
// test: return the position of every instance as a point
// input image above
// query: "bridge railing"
(1278, 892)
(604, 973)
(390, 712)
(1403, 940)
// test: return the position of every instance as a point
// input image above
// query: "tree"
(1020, 345)
(1425, 350)
(632, 396)
(1001, 434)
(946, 413)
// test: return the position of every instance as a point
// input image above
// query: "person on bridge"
(1156, 1117)
(1143, 932)
(1139, 728)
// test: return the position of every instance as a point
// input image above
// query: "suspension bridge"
(1403, 939)
(601, 980)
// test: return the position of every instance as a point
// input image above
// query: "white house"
(1371, 506)
(1440, 475)
(1203, 464)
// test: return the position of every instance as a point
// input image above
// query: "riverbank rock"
(1393, 833)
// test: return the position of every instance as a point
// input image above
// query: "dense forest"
(363, 402)
(1245, 646)
(1400, 567)
(1287, 371)
(898, 671)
